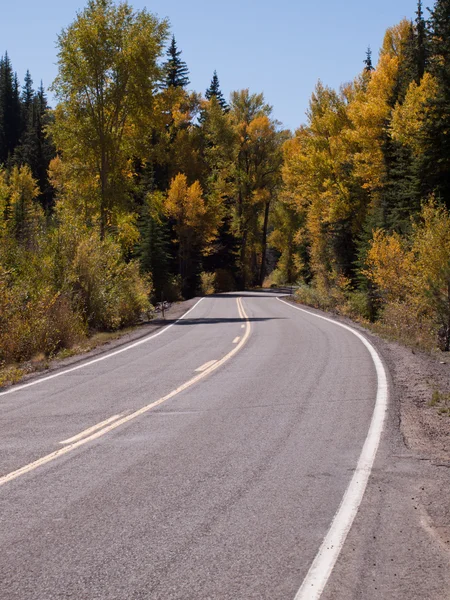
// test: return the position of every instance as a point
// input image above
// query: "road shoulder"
(400, 540)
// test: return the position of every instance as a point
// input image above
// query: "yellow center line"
(86, 432)
(205, 366)
(126, 419)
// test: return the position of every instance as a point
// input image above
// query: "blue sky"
(279, 47)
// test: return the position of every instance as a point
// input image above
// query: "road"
(205, 462)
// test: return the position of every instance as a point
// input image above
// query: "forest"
(134, 188)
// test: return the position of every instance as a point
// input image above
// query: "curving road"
(205, 462)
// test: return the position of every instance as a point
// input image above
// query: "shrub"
(110, 291)
(207, 283)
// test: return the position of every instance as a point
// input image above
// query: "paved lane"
(224, 491)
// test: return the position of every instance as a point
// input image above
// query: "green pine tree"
(214, 90)
(176, 70)
(368, 61)
(36, 148)
(10, 110)
(436, 159)
(422, 42)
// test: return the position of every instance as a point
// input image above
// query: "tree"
(368, 61)
(436, 158)
(196, 223)
(107, 80)
(26, 215)
(10, 110)
(27, 99)
(422, 45)
(35, 147)
(176, 70)
(251, 178)
(214, 90)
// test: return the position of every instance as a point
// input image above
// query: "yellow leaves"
(369, 113)
(407, 118)
(127, 231)
(22, 185)
(196, 221)
(431, 250)
(4, 194)
(185, 203)
(260, 129)
(390, 264)
(416, 272)
(395, 38)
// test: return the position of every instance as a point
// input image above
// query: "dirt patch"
(422, 384)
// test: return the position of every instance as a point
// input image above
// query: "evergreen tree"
(176, 71)
(214, 90)
(36, 148)
(436, 159)
(27, 101)
(368, 61)
(421, 33)
(10, 110)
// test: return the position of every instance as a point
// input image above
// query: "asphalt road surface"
(209, 462)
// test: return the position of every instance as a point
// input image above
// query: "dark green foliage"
(10, 110)
(176, 70)
(153, 250)
(401, 195)
(225, 250)
(368, 61)
(422, 42)
(214, 90)
(436, 160)
(35, 148)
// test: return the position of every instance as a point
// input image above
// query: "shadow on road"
(214, 320)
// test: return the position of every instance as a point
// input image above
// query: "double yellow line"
(138, 413)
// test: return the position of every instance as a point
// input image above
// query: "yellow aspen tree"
(408, 118)
(106, 84)
(196, 223)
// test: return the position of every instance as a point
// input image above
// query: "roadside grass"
(13, 373)
(397, 323)
(441, 401)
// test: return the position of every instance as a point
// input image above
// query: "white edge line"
(17, 388)
(70, 447)
(317, 577)
(90, 430)
(236, 339)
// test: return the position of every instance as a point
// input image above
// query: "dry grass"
(13, 373)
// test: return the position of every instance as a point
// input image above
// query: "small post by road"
(162, 305)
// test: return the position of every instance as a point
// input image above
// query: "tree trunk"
(262, 273)
(103, 193)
